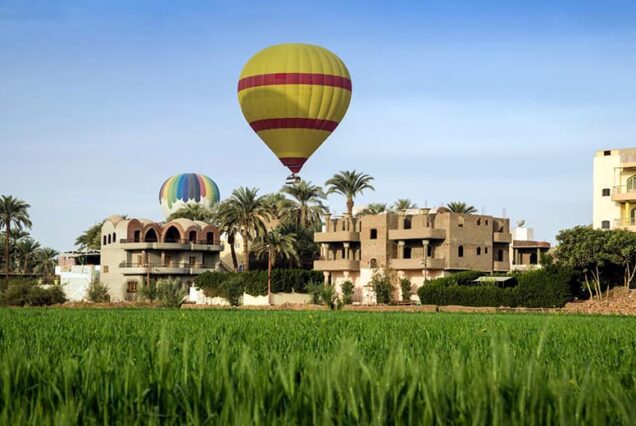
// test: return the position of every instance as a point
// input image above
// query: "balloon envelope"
(187, 188)
(293, 96)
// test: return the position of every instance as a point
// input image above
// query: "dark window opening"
(137, 236)
(407, 222)
(485, 250)
(131, 286)
(172, 235)
(607, 153)
(109, 238)
(209, 238)
(606, 192)
(407, 252)
(193, 236)
(374, 234)
(460, 251)
(429, 251)
(478, 221)
(605, 224)
(478, 251)
(104, 243)
(151, 236)
(500, 255)
(114, 238)
(460, 221)
(373, 263)
(533, 259)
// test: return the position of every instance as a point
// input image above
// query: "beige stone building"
(137, 251)
(614, 183)
(419, 244)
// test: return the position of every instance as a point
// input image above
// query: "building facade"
(135, 252)
(418, 244)
(525, 251)
(614, 185)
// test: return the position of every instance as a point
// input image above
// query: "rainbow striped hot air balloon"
(294, 96)
(187, 188)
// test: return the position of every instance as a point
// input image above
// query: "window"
(140, 259)
(137, 236)
(478, 221)
(131, 286)
(631, 183)
(104, 243)
(460, 251)
(460, 221)
(373, 263)
(607, 153)
(151, 236)
(605, 224)
(485, 250)
(192, 236)
(374, 234)
(105, 269)
(478, 251)
(209, 238)
(429, 250)
(533, 259)
(486, 221)
(114, 238)
(407, 222)
(500, 255)
(172, 235)
(108, 238)
(193, 261)
(407, 252)
(606, 192)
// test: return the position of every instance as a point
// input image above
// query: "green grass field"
(241, 367)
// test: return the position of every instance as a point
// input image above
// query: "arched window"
(373, 234)
(407, 222)
(109, 238)
(114, 237)
(209, 238)
(478, 221)
(192, 236)
(478, 251)
(500, 255)
(373, 263)
(632, 216)
(407, 252)
(460, 251)
(172, 235)
(104, 243)
(151, 236)
(631, 183)
(137, 236)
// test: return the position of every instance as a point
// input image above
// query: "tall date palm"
(306, 205)
(13, 212)
(349, 184)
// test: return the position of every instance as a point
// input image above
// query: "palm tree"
(277, 205)
(246, 212)
(194, 212)
(460, 207)
(13, 212)
(404, 204)
(306, 205)
(45, 263)
(27, 248)
(374, 208)
(349, 184)
(277, 244)
(90, 238)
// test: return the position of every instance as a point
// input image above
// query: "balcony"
(501, 266)
(417, 263)
(417, 234)
(623, 193)
(337, 265)
(502, 237)
(629, 224)
(198, 245)
(336, 236)
(183, 268)
(628, 161)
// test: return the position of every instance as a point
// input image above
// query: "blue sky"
(497, 103)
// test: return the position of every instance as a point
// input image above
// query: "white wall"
(76, 280)
(604, 176)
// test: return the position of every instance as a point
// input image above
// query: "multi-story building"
(135, 252)
(418, 244)
(525, 250)
(614, 200)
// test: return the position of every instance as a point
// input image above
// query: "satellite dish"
(521, 222)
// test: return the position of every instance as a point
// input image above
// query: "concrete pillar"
(327, 222)
(346, 251)
(400, 253)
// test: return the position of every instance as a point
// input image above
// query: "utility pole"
(269, 274)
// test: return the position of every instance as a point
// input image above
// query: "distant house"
(614, 189)
(135, 252)
(525, 250)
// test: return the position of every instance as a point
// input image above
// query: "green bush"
(315, 290)
(330, 296)
(171, 292)
(405, 286)
(459, 278)
(233, 290)
(383, 288)
(29, 293)
(148, 292)
(98, 293)
(347, 289)
(543, 288)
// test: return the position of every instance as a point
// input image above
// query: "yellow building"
(614, 200)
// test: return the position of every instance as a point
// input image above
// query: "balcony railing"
(165, 265)
(625, 222)
(623, 193)
(206, 242)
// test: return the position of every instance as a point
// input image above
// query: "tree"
(90, 238)
(27, 249)
(305, 208)
(277, 205)
(246, 212)
(45, 260)
(349, 184)
(13, 212)
(620, 247)
(194, 212)
(374, 208)
(460, 207)
(404, 204)
(277, 244)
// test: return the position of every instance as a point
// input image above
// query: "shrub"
(405, 286)
(459, 278)
(435, 294)
(315, 290)
(233, 290)
(330, 296)
(171, 293)
(383, 288)
(29, 293)
(148, 292)
(98, 292)
(347, 289)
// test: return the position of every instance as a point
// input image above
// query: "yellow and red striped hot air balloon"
(293, 96)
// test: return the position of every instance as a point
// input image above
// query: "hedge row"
(26, 292)
(536, 289)
(224, 284)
